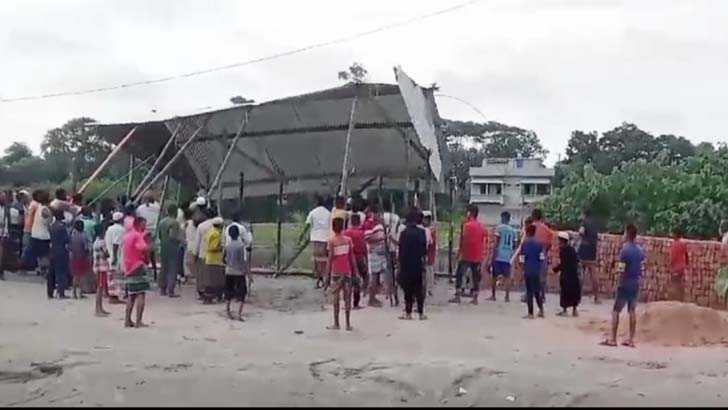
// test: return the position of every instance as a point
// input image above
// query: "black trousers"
(534, 290)
(414, 290)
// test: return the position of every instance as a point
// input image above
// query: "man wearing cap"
(114, 238)
(200, 246)
(569, 283)
(213, 278)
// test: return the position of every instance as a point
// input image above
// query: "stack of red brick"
(706, 259)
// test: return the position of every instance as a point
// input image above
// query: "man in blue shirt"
(629, 286)
(532, 257)
(506, 238)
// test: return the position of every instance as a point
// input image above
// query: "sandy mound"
(671, 324)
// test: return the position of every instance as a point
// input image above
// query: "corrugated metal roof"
(302, 136)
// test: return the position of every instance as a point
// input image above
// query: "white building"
(509, 184)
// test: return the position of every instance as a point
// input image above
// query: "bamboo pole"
(171, 162)
(118, 180)
(159, 160)
(108, 159)
(347, 148)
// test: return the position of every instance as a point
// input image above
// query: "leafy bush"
(657, 195)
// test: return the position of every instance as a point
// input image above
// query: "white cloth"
(4, 214)
(15, 216)
(200, 244)
(150, 212)
(114, 236)
(190, 235)
(320, 221)
(394, 228)
(40, 229)
(66, 207)
(725, 239)
(245, 236)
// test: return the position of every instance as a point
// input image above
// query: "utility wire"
(464, 102)
(244, 63)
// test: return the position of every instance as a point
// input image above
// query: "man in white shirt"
(113, 238)
(244, 233)
(318, 223)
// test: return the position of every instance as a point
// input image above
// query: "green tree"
(16, 152)
(356, 73)
(471, 142)
(74, 148)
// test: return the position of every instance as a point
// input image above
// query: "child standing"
(80, 257)
(356, 234)
(342, 266)
(101, 268)
(532, 257)
(236, 269)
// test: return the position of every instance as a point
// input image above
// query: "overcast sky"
(547, 65)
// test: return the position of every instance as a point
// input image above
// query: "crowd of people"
(358, 251)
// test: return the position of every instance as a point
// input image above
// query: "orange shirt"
(678, 256)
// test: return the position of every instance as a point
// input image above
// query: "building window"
(491, 189)
(536, 189)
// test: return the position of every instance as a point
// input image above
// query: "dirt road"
(56, 353)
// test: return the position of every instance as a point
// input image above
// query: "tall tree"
(356, 73)
(471, 142)
(16, 152)
(76, 147)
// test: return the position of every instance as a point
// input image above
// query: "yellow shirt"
(214, 254)
(338, 213)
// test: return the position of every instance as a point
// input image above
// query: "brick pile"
(706, 259)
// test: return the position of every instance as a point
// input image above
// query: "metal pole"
(347, 148)
(159, 159)
(115, 183)
(172, 161)
(233, 144)
(219, 197)
(179, 193)
(278, 227)
(108, 159)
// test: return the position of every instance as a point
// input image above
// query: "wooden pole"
(159, 160)
(165, 186)
(407, 171)
(450, 229)
(108, 159)
(130, 181)
(118, 180)
(171, 162)
(347, 148)
(241, 191)
(218, 177)
(279, 224)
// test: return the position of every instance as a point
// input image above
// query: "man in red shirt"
(545, 236)
(356, 234)
(470, 253)
(678, 265)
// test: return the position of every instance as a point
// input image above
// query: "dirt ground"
(56, 353)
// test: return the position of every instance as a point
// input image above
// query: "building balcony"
(478, 198)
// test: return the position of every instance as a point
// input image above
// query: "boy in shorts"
(236, 269)
(505, 243)
(341, 268)
(629, 287)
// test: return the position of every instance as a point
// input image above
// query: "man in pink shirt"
(136, 251)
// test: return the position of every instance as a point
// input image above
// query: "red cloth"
(135, 250)
(357, 237)
(544, 234)
(80, 266)
(678, 256)
(472, 241)
(432, 249)
(341, 248)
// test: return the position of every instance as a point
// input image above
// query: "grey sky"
(548, 65)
